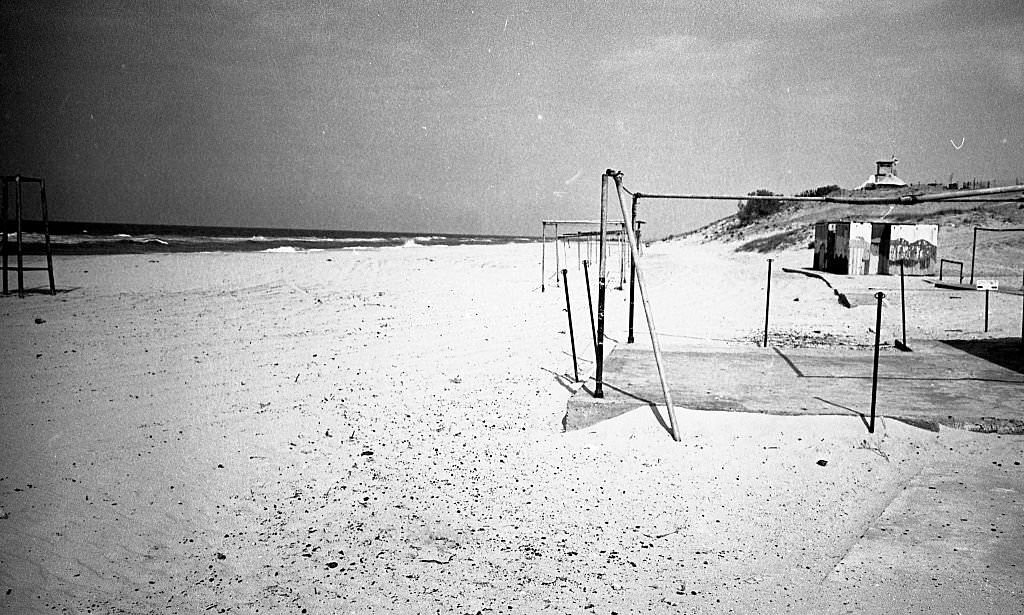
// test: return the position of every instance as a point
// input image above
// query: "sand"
(380, 431)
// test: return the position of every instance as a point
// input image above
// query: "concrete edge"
(589, 412)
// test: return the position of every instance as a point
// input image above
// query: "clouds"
(370, 101)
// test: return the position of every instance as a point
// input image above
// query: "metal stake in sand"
(658, 361)
(601, 271)
(767, 302)
(986, 310)
(572, 337)
(590, 303)
(874, 375)
(974, 247)
(903, 312)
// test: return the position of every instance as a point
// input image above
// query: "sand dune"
(380, 431)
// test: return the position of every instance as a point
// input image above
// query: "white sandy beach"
(379, 431)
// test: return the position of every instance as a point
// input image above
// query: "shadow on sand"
(1005, 352)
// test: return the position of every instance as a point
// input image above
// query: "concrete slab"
(976, 385)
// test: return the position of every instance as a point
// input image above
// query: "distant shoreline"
(125, 238)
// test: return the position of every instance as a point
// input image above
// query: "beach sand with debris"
(381, 431)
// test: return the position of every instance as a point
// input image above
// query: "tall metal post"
(974, 246)
(17, 215)
(903, 306)
(767, 302)
(601, 272)
(634, 228)
(558, 260)
(986, 310)
(3, 232)
(543, 252)
(1022, 307)
(658, 361)
(874, 376)
(590, 304)
(622, 257)
(46, 235)
(572, 336)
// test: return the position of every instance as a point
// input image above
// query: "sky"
(487, 117)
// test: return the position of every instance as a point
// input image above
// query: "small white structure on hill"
(884, 177)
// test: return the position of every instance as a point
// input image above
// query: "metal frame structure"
(636, 277)
(974, 244)
(579, 235)
(17, 181)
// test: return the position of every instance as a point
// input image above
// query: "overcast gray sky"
(485, 117)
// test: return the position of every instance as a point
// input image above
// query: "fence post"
(767, 302)
(572, 337)
(874, 375)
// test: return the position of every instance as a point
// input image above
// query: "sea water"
(104, 238)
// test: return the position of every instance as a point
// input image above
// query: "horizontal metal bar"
(905, 199)
(12, 178)
(594, 222)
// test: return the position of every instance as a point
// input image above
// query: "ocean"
(107, 238)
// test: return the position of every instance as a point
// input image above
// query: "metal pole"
(18, 213)
(599, 343)
(986, 310)
(590, 304)
(874, 375)
(558, 260)
(46, 235)
(3, 231)
(903, 304)
(622, 257)
(974, 245)
(658, 361)
(1021, 307)
(543, 252)
(767, 301)
(572, 337)
(635, 228)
